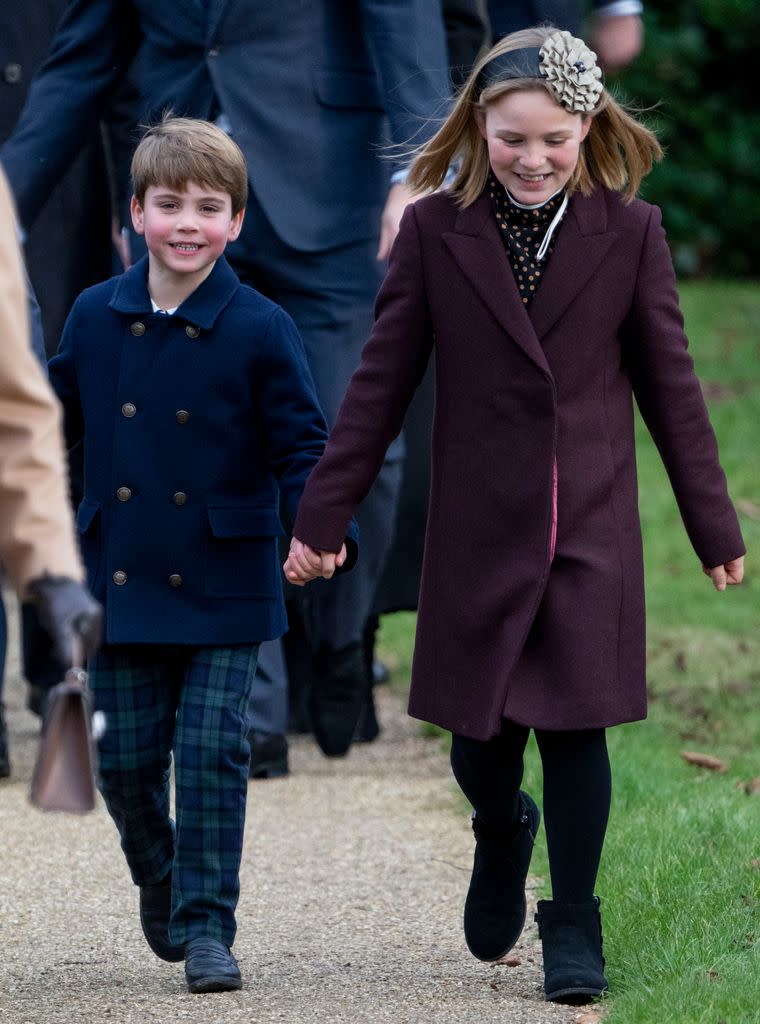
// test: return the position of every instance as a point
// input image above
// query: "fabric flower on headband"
(571, 70)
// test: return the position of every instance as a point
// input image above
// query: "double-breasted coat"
(505, 629)
(199, 431)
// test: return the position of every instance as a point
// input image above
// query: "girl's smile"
(533, 143)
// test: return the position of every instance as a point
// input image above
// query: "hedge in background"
(701, 66)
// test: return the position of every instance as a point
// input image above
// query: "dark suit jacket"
(309, 88)
(69, 247)
(199, 432)
(502, 629)
(510, 15)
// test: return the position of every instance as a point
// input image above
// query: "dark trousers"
(189, 704)
(576, 798)
(330, 296)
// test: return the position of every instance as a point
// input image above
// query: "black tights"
(577, 790)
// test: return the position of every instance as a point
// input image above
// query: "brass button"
(138, 329)
(128, 410)
(175, 580)
(120, 578)
(182, 415)
(12, 73)
(179, 498)
(214, 51)
(123, 494)
(192, 331)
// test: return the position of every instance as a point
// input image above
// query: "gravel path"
(353, 879)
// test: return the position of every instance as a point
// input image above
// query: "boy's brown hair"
(178, 150)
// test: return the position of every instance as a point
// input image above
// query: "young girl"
(546, 291)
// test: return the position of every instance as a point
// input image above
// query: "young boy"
(200, 425)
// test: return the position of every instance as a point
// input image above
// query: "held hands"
(305, 564)
(727, 575)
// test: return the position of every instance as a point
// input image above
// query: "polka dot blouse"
(522, 232)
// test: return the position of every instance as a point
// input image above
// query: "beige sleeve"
(36, 527)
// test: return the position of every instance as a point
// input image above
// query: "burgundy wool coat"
(504, 629)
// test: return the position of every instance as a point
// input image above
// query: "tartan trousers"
(189, 703)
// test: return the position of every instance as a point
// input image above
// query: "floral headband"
(564, 61)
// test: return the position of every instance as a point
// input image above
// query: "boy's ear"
(137, 215)
(235, 226)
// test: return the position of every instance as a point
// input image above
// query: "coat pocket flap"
(250, 521)
(86, 514)
(347, 89)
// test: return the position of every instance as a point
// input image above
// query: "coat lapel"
(479, 252)
(582, 244)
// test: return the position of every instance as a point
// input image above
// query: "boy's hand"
(727, 575)
(304, 563)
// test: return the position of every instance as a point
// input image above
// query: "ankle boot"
(495, 908)
(571, 937)
(337, 694)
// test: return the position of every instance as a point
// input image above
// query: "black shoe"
(5, 764)
(495, 908)
(269, 755)
(211, 967)
(155, 911)
(368, 727)
(571, 937)
(337, 694)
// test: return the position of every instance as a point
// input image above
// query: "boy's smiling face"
(185, 231)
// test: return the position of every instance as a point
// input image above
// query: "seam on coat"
(613, 503)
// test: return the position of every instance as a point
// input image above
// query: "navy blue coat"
(199, 432)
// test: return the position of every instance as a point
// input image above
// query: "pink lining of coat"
(553, 542)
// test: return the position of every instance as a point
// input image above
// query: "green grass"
(680, 878)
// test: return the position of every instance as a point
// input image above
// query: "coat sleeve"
(62, 373)
(372, 412)
(670, 399)
(407, 46)
(36, 529)
(90, 52)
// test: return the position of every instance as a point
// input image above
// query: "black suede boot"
(337, 694)
(571, 937)
(495, 908)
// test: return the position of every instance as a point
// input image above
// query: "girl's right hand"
(727, 575)
(304, 563)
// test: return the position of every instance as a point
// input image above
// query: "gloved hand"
(67, 610)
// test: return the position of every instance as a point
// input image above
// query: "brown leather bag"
(64, 773)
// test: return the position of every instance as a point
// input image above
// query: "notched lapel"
(480, 255)
(582, 244)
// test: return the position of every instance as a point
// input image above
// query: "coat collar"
(201, 308)
(582, 243)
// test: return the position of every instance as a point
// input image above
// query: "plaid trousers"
(191, 703)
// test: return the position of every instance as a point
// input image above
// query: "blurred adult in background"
(616, 31)
(67, 248)
(467, 33)
(37, 544)
(311, 92)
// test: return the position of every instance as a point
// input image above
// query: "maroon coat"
(502, 629)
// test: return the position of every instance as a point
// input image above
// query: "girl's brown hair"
(178, 150)
(617, 152)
